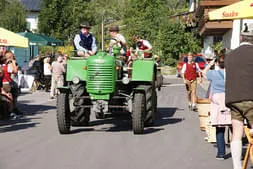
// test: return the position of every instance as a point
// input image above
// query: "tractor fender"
(141, 88)
(64, 89)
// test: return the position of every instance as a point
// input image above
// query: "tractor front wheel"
(151, 100)
(139, 110)
(63, 114)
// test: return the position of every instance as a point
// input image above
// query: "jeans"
(220, 141)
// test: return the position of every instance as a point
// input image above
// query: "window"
(28, 25)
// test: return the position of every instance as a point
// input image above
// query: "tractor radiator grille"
(100, 79)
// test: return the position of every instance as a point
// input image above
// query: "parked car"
(198, 58)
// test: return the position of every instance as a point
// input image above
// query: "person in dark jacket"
(85, 42)
(239, 95)
(36, 71)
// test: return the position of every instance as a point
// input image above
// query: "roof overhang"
(216, 27)
(209, 3)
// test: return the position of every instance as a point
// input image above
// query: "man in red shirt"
(189, 74)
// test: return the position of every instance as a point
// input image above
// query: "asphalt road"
(175, 141)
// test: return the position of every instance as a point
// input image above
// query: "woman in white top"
(47, 73)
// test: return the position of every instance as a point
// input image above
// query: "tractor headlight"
(125, 80)
(75, 80)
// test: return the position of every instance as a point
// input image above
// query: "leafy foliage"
(12, 15)
(173, 40)
(217, 46)
(146, 18)
(176, 6)
(169, 38)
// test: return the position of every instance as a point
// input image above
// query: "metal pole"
(102, 27)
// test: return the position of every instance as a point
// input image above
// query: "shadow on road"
(120, 122)
(17, 124)
(165, 116)
(24, 122)
(29, 109)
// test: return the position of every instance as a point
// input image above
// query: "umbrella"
(34, 39)
(41, 40)
(51, 41)
(239, 10)
(8, 38)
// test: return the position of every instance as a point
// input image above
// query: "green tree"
(12, 15)
(50, 16)
(173, 41)
(145, 17)
(177, 6)
(108, 12)
(74, 13)
(149, 19)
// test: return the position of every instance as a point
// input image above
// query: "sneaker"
(13, 116)
(194, 108)
(220, 157)
(52, 98)
(190, 107)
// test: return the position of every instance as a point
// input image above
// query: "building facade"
(32, 18)
(213, 32)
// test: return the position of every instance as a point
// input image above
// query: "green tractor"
(101, 84)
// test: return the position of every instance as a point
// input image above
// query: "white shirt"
(184, 68)
(119, 37)
(113, 43)
(47, 71)
(145, 43)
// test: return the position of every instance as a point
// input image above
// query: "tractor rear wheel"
(139, 109)
(63, 114)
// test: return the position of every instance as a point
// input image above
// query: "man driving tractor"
(85, 42)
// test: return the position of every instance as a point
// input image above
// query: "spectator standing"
(5, 99)
(239, 95)
(47, 73)
(9, 67)
(36, 71)
(85, 42)
(25, 67)
(65, 59)
(31, 62)
(58, 71)
(189, 74)
(217, 79)
(15, 90)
